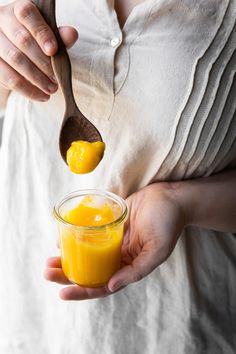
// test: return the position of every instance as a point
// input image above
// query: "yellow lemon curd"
(90, 256)
(83, 156)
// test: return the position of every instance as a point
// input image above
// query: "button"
(115, 41)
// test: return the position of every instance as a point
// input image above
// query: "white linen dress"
(162, 92)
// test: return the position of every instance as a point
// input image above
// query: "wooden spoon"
(74, 125)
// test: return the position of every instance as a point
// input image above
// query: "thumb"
(141, 266)
(69, 35)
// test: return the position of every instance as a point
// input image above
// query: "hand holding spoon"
(75, 126)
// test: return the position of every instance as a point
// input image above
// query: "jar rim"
(96, 192)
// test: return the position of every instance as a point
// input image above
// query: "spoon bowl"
(75, 126)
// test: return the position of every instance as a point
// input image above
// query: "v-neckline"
(127, 18)
(140, 13)
(131, 14)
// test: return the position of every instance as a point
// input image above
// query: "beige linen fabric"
(162, 93)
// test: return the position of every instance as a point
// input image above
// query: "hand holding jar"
(151, 232)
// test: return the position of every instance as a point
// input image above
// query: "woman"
(157, 79)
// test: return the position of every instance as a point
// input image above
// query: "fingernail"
(49, 46)
(117, 286)
(52, 88)
(44, 99)
(54, 79)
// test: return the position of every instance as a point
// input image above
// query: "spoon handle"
(60, 61)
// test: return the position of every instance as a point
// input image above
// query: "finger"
(77, 292)
(127, 223)
(69, 35)
(23, 40)
(56, 275)
(11, 80)
(125, 276)
(28, 14)
(58, 243)
(53, 262)
(18, 61)
(126, 238)
(143, 265)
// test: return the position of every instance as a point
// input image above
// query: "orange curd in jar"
(91, 227)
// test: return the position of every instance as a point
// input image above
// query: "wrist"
(184, 198)
(178, 195)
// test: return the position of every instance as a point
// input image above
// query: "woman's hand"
(154, 225)
(26, 44)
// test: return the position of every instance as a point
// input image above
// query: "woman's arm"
(209, 202)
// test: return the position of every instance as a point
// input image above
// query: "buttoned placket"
(115, 46)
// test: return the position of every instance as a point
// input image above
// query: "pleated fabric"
(205, 133)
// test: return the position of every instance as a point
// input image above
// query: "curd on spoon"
(83, 156)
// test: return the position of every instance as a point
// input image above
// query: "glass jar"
(90, 255)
